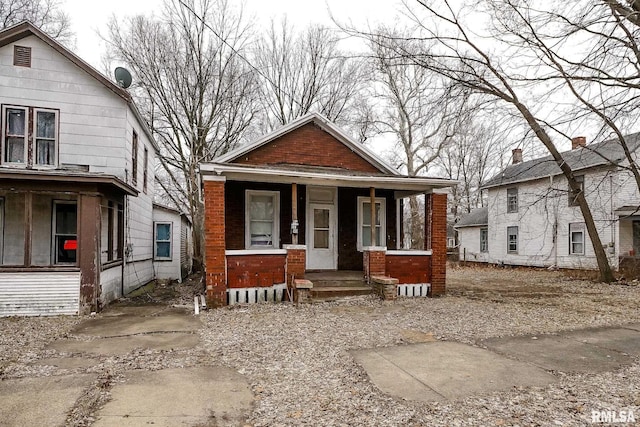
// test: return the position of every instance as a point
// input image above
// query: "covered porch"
(266, 227)
(61, 238)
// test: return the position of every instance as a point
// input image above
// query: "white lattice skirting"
(419, 290)
(273, 293)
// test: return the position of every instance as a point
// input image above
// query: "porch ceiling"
(328, 177)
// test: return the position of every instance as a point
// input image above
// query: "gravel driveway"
(297, 361)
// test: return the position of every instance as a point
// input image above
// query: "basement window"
(22, 56)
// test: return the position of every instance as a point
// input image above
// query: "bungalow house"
(531, 220)
(76, 182)
(307, 197)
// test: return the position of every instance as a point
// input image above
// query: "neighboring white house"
(76, 181)
(473, 236)
(532, 221)
(172, 255)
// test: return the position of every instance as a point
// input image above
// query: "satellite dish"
(123, 77)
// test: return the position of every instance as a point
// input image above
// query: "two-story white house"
(76, 181)
(531, 220)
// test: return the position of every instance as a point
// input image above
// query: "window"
(145, 170)
(46, 135)
(512, 240)
(22, 56)
(134, 158)
(29, 136)
(364, 222)
(512, 200)
(163, 241)
(262, 219)
(484, 240)
(65, 237)
(15, 135)
(573, 198)
(576, 238)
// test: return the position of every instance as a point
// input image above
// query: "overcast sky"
(89, 17)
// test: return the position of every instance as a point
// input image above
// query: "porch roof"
(67, 177)
(286, 174)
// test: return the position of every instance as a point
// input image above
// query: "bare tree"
(446, 44)
(195, 89)
(305, 71)
(422, 114)
(44, 14)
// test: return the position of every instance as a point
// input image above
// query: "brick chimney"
(516, 155)
(578, 142)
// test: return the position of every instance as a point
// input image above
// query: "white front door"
(321, 237)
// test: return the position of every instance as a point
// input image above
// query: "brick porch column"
(296, 262)
(436, 239)
(374, 261)
(214, 234)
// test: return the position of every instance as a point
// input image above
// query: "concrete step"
(338, 283)
(335, 292)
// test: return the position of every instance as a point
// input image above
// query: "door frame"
(333, 225)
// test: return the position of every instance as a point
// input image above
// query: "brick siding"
(436, 236)
(409, 269)
(214, 234)
(250, 271)
(307, 145)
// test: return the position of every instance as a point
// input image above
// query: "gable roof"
(475, 218)
(325, 125)
(25, 29)
(599, 154)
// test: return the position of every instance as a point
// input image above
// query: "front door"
(321, 247)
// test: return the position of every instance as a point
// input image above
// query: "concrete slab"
(558, 353)
(624, 340)
(123, 345)
(41, 401)
(130, 324)
(67, 362)
(191, 396)
(439, 371)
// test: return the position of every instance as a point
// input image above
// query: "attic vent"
(22, 56)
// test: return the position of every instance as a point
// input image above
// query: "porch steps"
(324, 290)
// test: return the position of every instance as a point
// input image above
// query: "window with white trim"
(262, 219)
(163, 242)
(484, 240)
(512, 200)
(65, 232)
(17, 139)
(364, 222)
(512, 240)
(576, 238)
(573, 197)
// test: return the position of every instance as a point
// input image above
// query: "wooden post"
(372, 195)
(294, 212)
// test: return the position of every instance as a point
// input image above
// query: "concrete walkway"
(202, 395)
(441, 371)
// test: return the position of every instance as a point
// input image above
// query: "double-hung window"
(576, 238)
(512, 240)
(262, 219)
(512, 200)
(162, 250)
(484, 240)
(27, 127)
(364, 222)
